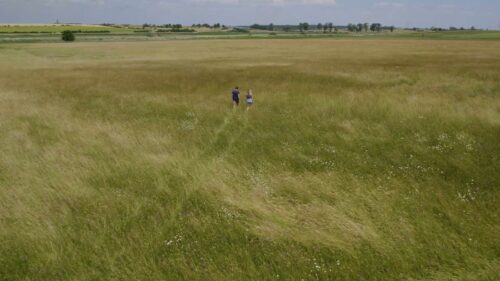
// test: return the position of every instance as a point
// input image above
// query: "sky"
(401, 13)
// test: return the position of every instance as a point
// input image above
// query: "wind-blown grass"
(361, 160)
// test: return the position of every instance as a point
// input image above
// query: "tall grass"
(361, 160)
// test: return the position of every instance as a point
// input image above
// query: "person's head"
(237, 88)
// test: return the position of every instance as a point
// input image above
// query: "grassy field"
(361, 160)
(96, 33)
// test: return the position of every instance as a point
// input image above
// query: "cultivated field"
(361, 160)
(53, 28)
(98, 33)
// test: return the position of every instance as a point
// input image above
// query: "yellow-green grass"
(361, 160)
(56, 28)
(46, 34)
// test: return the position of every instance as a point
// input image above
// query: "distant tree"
(217, 25)
(472, 28)
(242, 30)
(306, 26)
(319, 26)
(366, 26)
(325, 27)
(286, 28)
(260, 27)
(376, 27)
(351, 27)
(330, 26)
(175, 27)
(68, 36)
(271, 27)
(301, 27)
(359, 27)
(391, 28)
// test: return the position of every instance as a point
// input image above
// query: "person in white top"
(249, 99)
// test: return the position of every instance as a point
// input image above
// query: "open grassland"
(361, 160)
(51, 34)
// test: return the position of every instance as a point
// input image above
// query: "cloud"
(390, 4)
(53, 2)
(254, 2)
(234, 2)
(304, 2)
(138, 3)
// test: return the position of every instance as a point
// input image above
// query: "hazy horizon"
(403, 13)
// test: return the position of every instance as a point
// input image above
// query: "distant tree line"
(366, 27)
(206, 25)
(168, 25)
(269, 27)
(324, 27)
(301, 27)
(115, 25)
(451, 28)
(351, 27)
(179, 26)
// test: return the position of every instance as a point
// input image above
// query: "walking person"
(236, 96)
(249, 99)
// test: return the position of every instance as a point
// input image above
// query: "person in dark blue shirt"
(236, 96)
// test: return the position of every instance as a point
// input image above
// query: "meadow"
(361, 160)
(98, 33)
